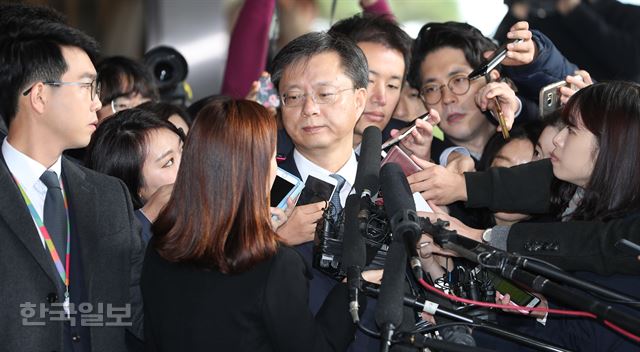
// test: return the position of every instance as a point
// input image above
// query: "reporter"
(144, 152)
(604, 122)
(216, 276)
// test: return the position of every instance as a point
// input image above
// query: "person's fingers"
(422, 163)
(520, 25)
(586, 77)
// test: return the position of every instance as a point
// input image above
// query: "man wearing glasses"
(71, 252)
(321, 79)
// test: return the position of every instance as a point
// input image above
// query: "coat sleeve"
(579, 245)
(521, 189)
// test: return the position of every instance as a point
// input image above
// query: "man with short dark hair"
(71, 252)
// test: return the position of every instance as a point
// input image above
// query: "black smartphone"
(284, 187)
(317, 189)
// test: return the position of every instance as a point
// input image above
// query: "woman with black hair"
(144, 152)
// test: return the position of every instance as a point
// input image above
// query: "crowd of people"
(131, 224)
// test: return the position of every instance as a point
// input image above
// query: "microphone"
(401, 210)
(367, 181)
(396, 193)
(353, 253)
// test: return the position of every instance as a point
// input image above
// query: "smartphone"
(518, 295)
(549, 99)
(285, 186)
(396, 155)
(317, 188)
(267, 93)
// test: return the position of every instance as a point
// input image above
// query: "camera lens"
(163, 71)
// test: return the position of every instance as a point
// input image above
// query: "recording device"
(317, 188)
(285, 186)
(492, 62)
(396, 155)
(169, 69)
(406, 232)
(369, 222)
(549, 98)
(496, 283)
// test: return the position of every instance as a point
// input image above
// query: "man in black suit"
(71, 252)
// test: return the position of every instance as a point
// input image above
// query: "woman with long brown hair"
(216, 276)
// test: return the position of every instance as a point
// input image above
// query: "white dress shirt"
(28, 171)
(348, 172)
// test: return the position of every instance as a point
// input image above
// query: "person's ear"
(360, 100)
(38, 98)
(494, 75)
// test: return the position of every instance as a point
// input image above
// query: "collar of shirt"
(348, 172)
(28, 171)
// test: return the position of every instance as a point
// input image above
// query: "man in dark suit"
(71, 252)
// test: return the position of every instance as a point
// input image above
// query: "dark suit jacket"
(263, 309)
(103, 223)
(575, 245)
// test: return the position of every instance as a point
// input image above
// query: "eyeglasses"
(127, 101)
(326, 95)
(432, 93)
(95, 87)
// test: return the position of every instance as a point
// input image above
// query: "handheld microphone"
(396, 193)
(399, 205)
(353, 253)
(367, 181)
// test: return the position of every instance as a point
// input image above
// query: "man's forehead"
(322, 68)
(79, 64)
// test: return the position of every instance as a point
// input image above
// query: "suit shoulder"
(95, 178)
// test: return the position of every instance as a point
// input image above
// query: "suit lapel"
(82, 213)
(14, 212)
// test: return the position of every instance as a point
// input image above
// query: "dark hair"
(165, 110)
(611, 111)
(34, 54)
(376, 29)
(120, 76)
(308, 45)
(218, 214)
(13, 16)
(529, 131)
(434, 36)
(119, 145)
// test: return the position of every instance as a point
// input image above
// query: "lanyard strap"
(46, 238)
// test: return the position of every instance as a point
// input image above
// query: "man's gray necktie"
(55, 216)
(335, 198)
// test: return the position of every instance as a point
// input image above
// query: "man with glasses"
(442, 57)
(71, 250)
(321, 79)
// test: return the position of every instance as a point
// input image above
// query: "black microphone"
(353, 253)
(367, 181)
(401, 210)
(367, 174)
(389, 308)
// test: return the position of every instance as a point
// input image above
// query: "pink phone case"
(396, 155)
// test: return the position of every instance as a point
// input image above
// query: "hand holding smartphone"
(285, 186)
(267, 94)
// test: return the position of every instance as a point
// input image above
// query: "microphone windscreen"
(395, 190)
(368, 172)
(353, 246)
(389, 306)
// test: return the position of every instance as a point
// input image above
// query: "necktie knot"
(50, 179)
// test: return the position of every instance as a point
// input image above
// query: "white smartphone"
(549, 99)
(317, 188)
(519, 296)
(285, 186)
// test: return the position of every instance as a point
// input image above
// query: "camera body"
(327, 249)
